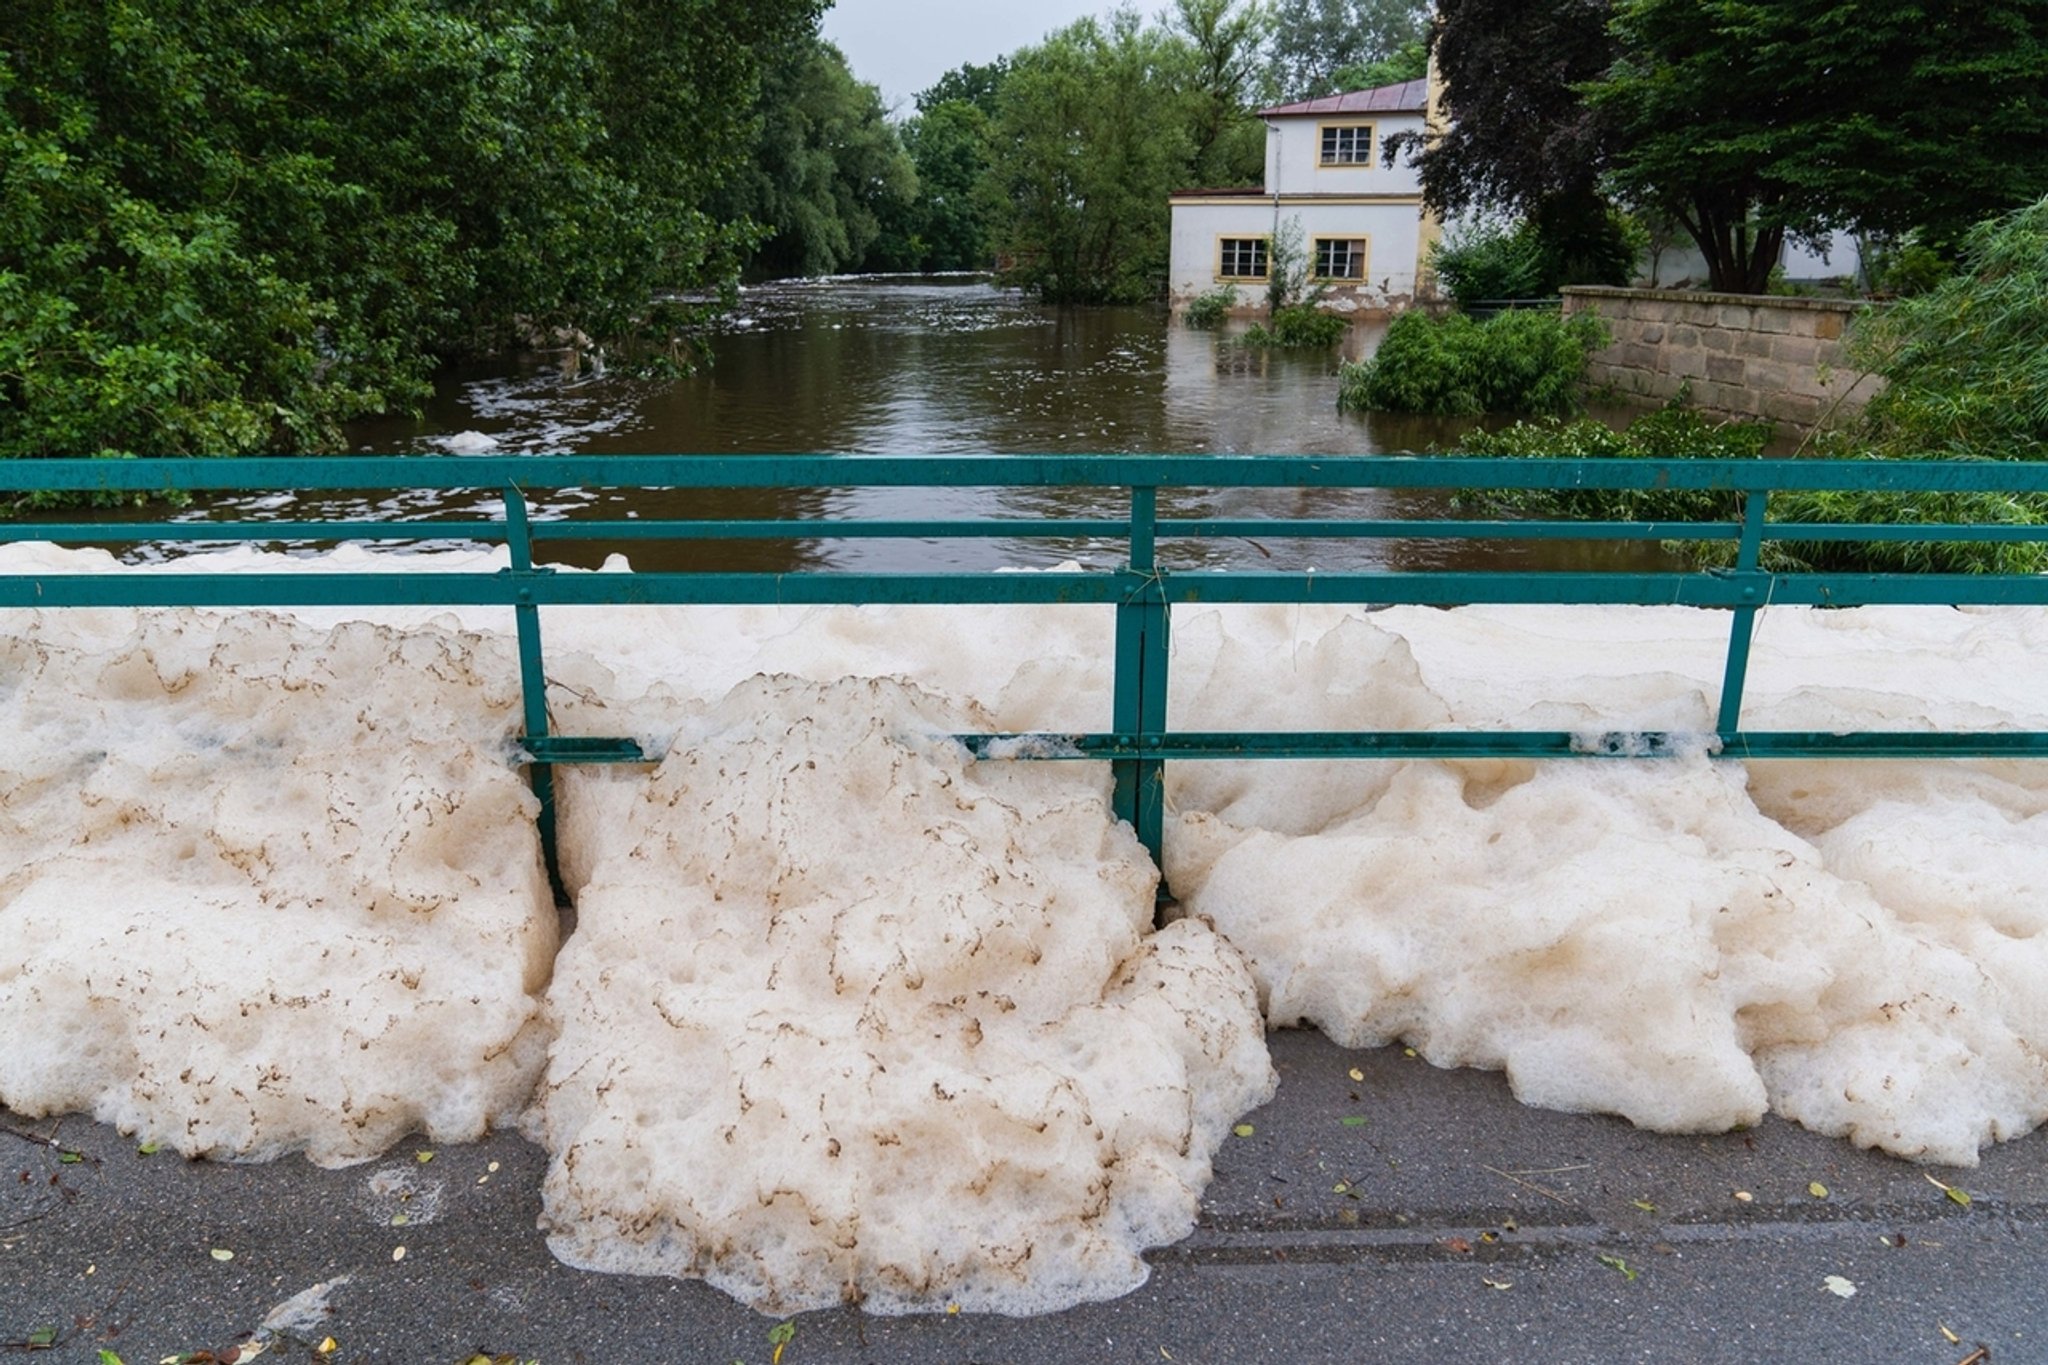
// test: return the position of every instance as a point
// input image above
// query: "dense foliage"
(1092, 131)
(1323, 46)
(1966, 363)
(1747, 122)
(1966, 371)
(1072, 145)
(1528, 361)
(1678, 432)
(1521, 139)
(229, 227)
(1485, 259)
(827, 176)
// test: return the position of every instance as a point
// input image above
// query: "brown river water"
(940, 366)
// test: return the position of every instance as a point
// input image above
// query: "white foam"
(848, 1017)
(1687, 942)
(262, 887)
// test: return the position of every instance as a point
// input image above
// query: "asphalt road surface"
(1450, 1224)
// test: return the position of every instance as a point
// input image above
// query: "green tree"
(1313, 40)
(948, 143)
(969, 83)
(1522, 139)
(827, 168)
(230, 227)
(1229, 79)
(1091, 133)
(1409, 62)
(1882, 117)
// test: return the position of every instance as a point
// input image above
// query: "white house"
(1361, 224)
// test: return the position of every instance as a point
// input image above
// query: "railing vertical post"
(533, 680)
(1143, 626)
(1748, 557)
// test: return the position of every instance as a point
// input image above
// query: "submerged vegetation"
(1209, 309)
(1529, 362)
(1298, 326)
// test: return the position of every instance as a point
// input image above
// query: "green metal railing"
(1142, 592)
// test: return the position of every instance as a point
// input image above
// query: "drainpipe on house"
(1273, 183)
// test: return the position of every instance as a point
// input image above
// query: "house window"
(1241, 258)
(1347, 144)
(1340, 258)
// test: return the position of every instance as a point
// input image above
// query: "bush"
(1519, 362)
(1302, 325)
(1489, 261)
(1207, 310)
(1568, 241)
(1678, 432)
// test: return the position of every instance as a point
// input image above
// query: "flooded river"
(944, 366)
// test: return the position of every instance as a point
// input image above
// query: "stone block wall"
(1783, 360)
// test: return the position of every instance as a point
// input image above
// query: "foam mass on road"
(849, 1017)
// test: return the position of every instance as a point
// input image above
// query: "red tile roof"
(1409, 97)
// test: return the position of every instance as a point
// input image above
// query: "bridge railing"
(1141, 590)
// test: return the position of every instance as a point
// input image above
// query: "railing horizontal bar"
(543, 588)
(967, 471)
(770, 529)
(546, 588)
(105, 532)
(1477, 744)
(580, 749)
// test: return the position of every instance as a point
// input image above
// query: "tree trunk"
(1740, 255)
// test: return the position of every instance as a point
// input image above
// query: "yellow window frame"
(1222, 237)
(1372, 145)
(1364, 240)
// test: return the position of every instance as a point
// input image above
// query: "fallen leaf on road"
(398, 1253)
(1841, 1288)
(1498, 1284)
(1617, 1263)
(221, 1254)
(1356, 1074)
(1817, 1190)
(1960, 1196)
(1645, 1205)
(1353, 1121)
(1458, 1244)
(1953, 1339)
(1744, 1196)
(423, 1157)
(1244, 1130)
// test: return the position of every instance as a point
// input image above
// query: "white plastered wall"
(1392, 232)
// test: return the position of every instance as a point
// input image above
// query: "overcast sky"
(905, 45)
